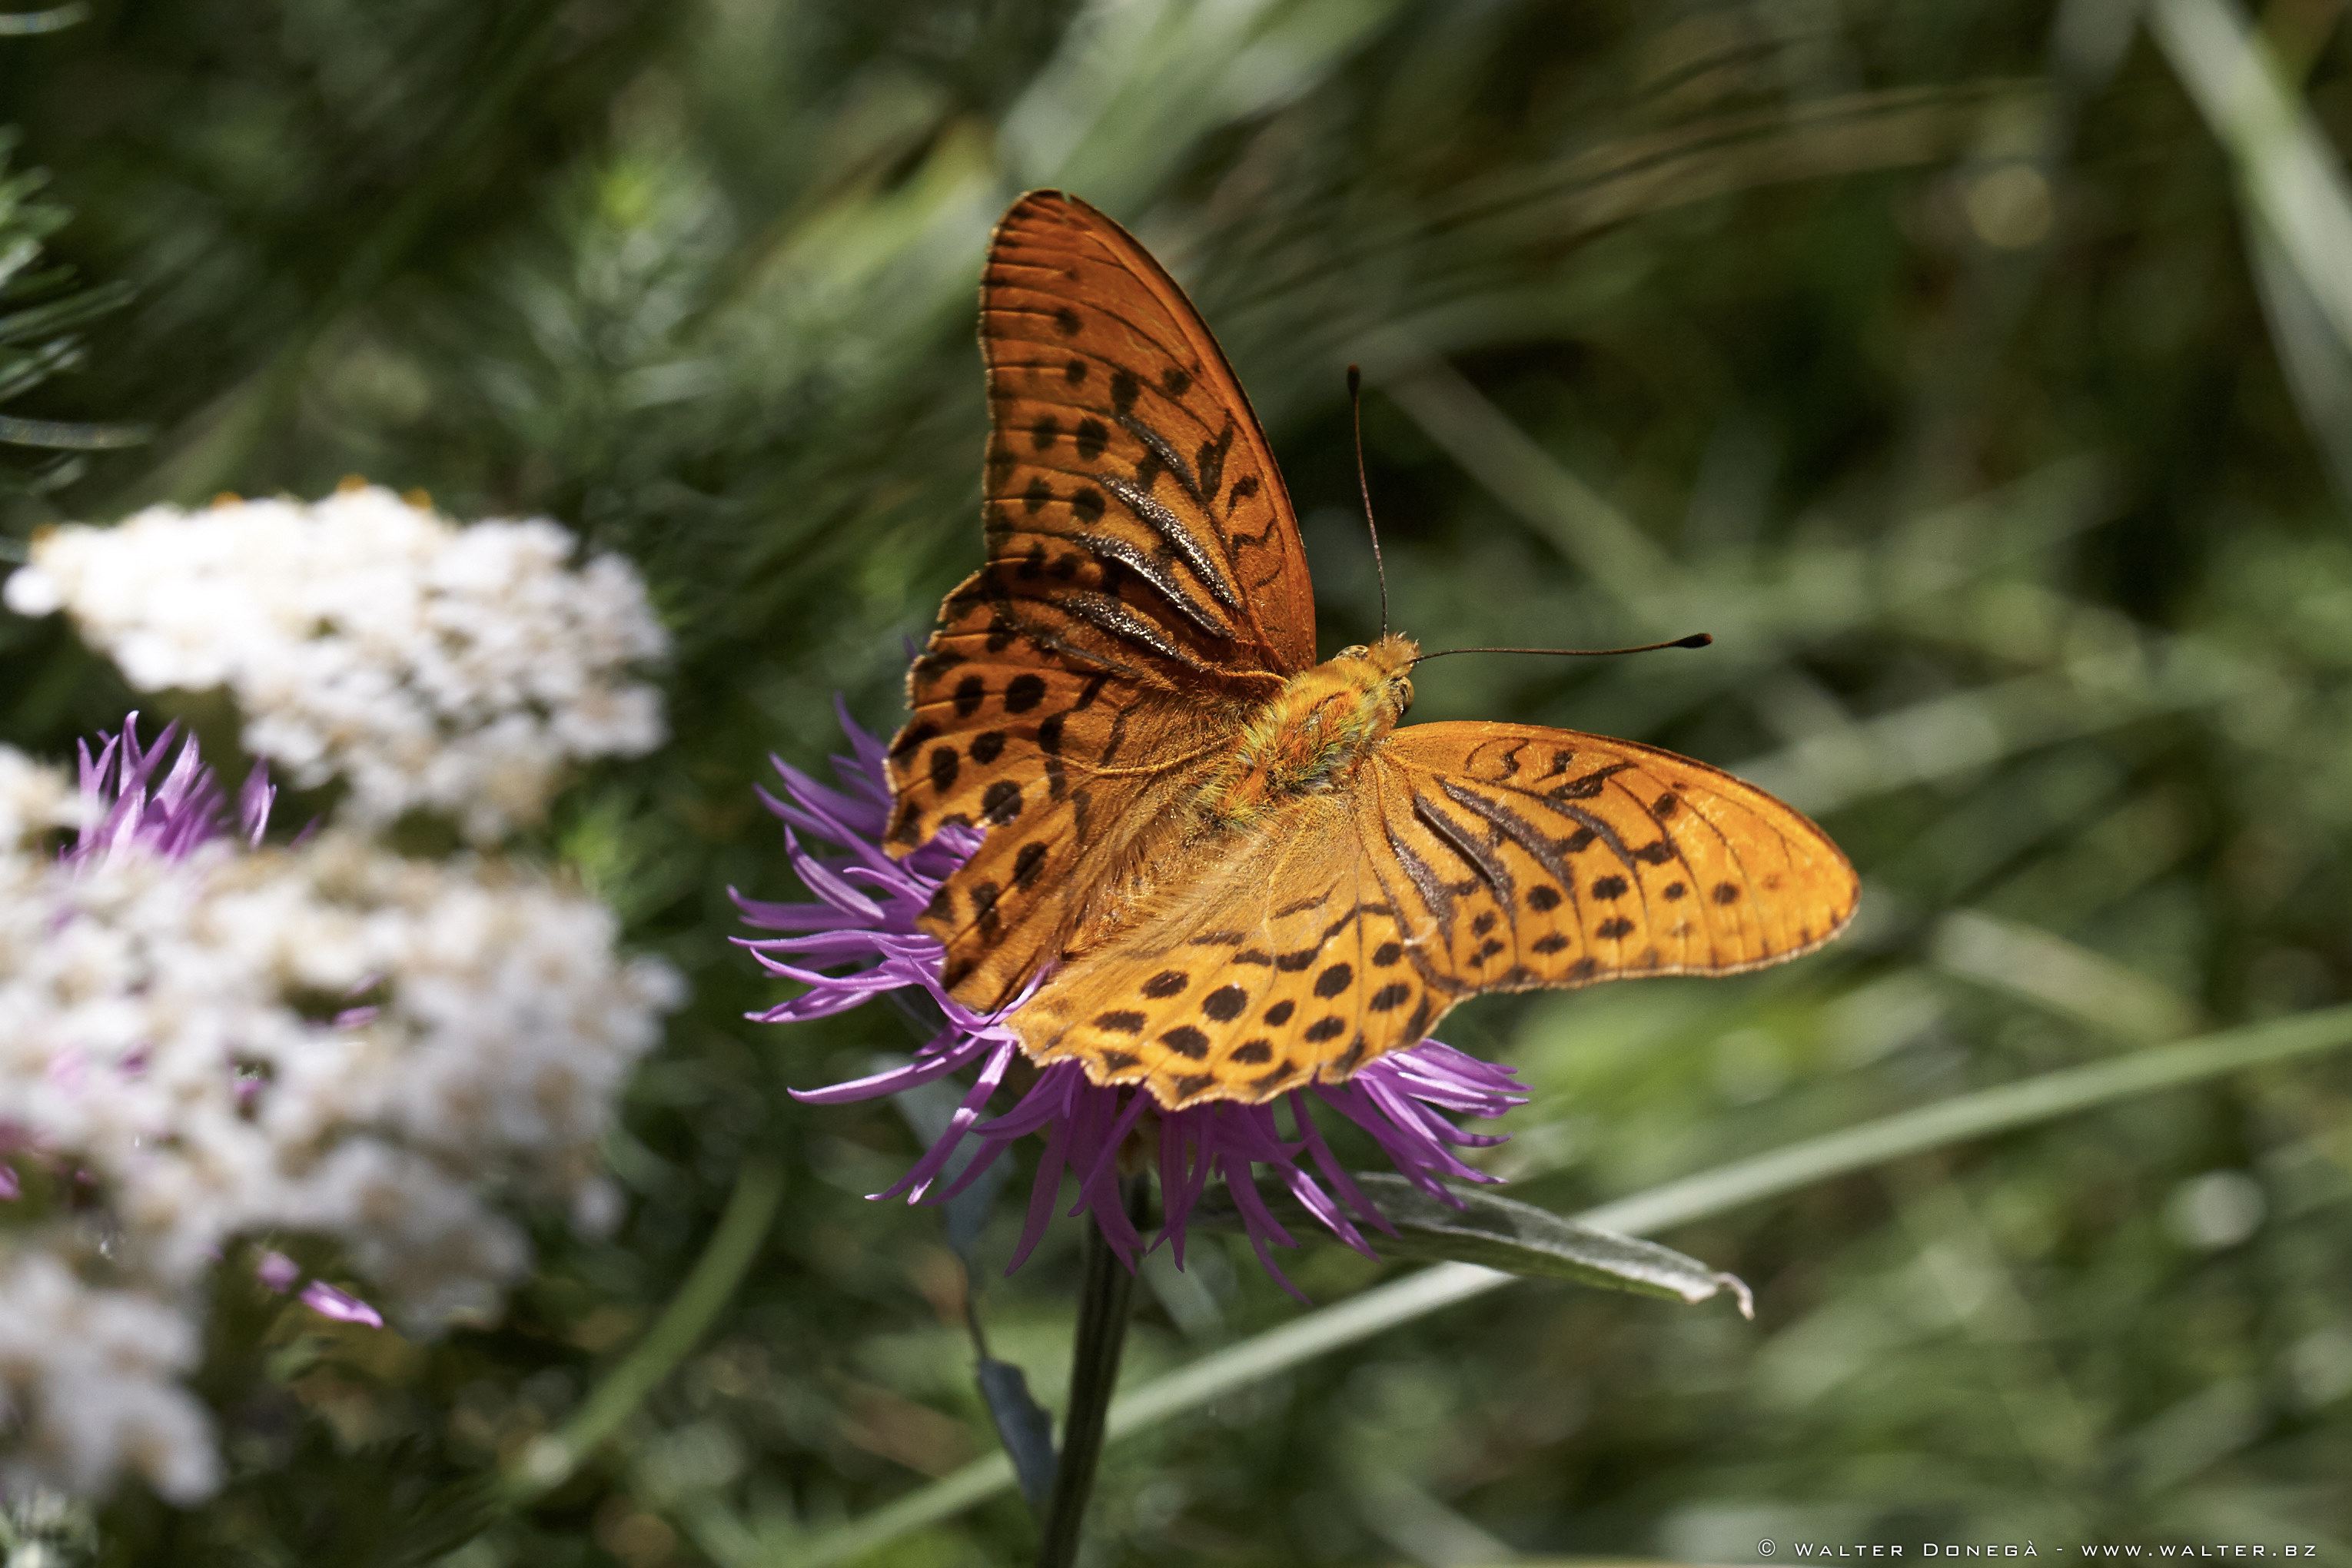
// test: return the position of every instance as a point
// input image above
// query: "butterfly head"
(1383, 671)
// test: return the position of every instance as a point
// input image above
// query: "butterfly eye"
(1403, 693)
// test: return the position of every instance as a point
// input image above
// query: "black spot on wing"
(1225, 1002)
(1588, 785)
(1187, 1042)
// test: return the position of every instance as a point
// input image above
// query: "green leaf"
(56, 19)
(1021, 1426)
(1513, 1237)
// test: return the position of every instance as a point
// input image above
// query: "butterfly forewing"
(1535, 857)
(1144, 586)
(1119, 435)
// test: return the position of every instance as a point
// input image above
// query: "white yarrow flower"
(459, 670)
(90, 1387)
(35, 799)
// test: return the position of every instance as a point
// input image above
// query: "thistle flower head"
(126, 806)
(859, 941)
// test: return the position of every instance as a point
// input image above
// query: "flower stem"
(733, 1248)
(1104, 1298)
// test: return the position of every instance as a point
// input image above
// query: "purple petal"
(892, 1081)
(1043, 1190)
(187, 809)
(253, 803)
(916, 1181)
(340, 1305)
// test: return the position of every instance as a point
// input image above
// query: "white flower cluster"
(88, 1386)
(430, 666)
(33, 799)
(328, 1040)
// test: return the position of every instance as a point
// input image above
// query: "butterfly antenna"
(1696, 639)
(1364, 485)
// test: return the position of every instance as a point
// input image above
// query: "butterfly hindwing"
(1144, 582)
(1279, 963)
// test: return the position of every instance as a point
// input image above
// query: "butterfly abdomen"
(1312, 735)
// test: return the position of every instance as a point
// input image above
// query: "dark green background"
(1930, 355)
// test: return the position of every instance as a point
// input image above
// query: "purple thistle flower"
(128, 809)
(860, 940)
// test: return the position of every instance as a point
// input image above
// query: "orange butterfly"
(1243, 876)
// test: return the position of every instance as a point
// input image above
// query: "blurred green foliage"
(1937, 359)
(42, 310)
